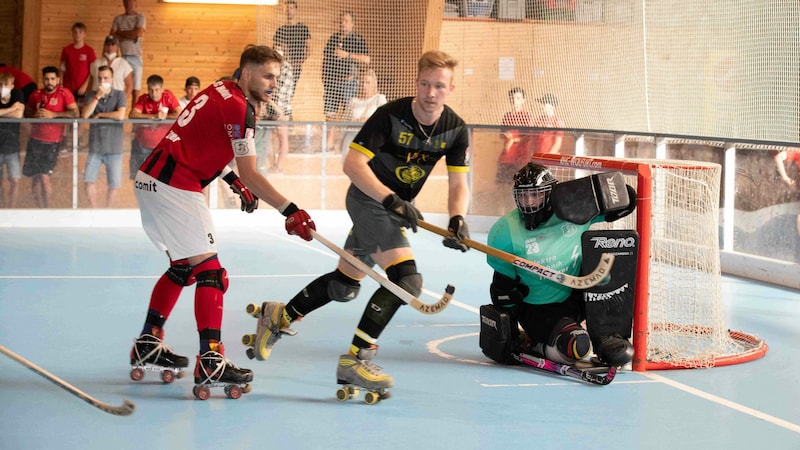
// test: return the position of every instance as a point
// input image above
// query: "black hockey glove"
(249, 200)
(403, 212)
(460, 231)
(619, 214)
(507, 292)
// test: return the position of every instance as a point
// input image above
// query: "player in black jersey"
(388, 163)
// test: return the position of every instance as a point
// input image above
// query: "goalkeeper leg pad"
(498, 334)
(615, 351)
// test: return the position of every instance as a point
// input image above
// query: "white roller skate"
(150, 353)
(358, 372)
(271, 325)
(214, 370)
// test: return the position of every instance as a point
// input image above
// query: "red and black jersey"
(216, 123)
(403, 153)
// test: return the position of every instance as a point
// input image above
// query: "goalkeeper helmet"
(532, 187)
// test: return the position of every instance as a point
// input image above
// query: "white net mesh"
(723, 69)
(685, 321)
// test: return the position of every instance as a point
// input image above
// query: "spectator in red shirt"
(50, 102)
(76, 59)
(22, 80)
(548, 141)
(157, 104)
(516, 146)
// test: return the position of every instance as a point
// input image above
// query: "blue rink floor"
(72, 300)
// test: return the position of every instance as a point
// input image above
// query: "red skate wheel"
(137, 374)
(203, 393)
(233, 391)
(167, 376)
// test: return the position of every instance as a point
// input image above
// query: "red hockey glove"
(249, 200)
(298, 222)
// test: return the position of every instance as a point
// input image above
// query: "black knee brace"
(180, 274)
(406, 276)
(213, 278)
(340, 287)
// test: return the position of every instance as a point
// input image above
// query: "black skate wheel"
(233, 391)
(253, 309)
(167, 376)
(137, 374)
(371, 398)
(250, 353)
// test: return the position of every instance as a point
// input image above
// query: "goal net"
(679, 320)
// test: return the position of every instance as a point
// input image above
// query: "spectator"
(547, 141)
(76, 60)
(191, 88)
(22, 81)
(157, 104)
(41, 155)
(295, 37)
(363, 105)
(283, 100)
(516, 146)
(105, 139)
(781, 158)
(344, 52)
(123, 72)
(129, 28)
(12, 106)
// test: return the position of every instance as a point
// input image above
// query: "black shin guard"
(379, 311)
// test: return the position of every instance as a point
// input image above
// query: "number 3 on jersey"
(188, 114)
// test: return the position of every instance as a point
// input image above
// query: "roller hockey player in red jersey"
(388, 163)
(215, 127)
(548, 312)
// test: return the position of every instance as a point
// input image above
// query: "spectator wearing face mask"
(123, 72)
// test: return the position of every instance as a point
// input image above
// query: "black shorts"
(40, 158)
(372, 227)
(538, 320)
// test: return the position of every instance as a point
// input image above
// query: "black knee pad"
(340, 287)
(499, 334)
(406, 276)
(217, 278)
(181, 274)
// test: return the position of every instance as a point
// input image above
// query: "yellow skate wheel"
(180, 374)
(253, 309)
(342, 394)
(247, 388)
(371, 398)
(249, 340)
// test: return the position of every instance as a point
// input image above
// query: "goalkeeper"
(549, 313)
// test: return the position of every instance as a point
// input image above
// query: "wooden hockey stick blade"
(575, 282)
(564, 369)
(404, 295)
(126, 409)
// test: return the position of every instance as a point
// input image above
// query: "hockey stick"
(126, 409)
(404, 295)
(576, 282)
(564, 369)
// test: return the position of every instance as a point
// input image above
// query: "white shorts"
(177, 221)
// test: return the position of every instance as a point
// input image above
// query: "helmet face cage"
(532, 187)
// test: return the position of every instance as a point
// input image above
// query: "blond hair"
(436, 59)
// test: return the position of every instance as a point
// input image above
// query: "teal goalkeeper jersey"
(555, 244)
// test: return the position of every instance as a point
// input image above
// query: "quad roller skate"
(358, 372)
(149, 353)
(271, 326)
(214, 370)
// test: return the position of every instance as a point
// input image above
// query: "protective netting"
(720, 69)
(685, 324)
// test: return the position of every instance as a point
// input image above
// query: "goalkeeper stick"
(563, 369)
(125, 409)
(575, 282)
(404, 295)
